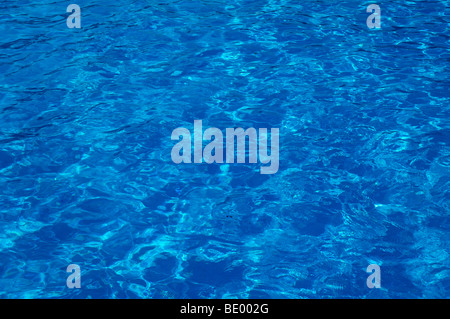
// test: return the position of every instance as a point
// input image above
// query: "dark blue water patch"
(63, 231)
(439, 222)
(213, 272)
(100, 205)
(311, 220)
(252, 225)
(5, 159)
(399, 275)
(162, 268)
(116, 248)
(305, 283)
(38, 246)
(156, 200)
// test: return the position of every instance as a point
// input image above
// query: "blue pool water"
(86, 175)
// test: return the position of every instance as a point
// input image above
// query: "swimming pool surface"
(86, 175)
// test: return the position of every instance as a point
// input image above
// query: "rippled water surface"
(86, 175)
